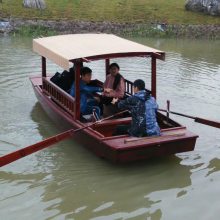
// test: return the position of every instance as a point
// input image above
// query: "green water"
(69, 182)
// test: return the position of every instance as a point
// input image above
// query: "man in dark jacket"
(88, 103)
(143, 109)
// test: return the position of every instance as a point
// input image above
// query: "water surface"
(69, 182)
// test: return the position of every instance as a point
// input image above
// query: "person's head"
(114, 69)
(86, 74)
(139, 85)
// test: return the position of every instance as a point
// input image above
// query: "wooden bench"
(108, 127)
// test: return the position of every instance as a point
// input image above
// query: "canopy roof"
(63, 49)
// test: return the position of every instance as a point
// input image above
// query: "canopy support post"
(107, 63)
(77, 65)
(44, 67)
(153, 77)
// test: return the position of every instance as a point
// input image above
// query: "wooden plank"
(158, 138)
(44, 67)
(118, 121)
(77, 90)
(119, 143)
(153, 77)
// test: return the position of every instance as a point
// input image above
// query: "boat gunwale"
(137, 145)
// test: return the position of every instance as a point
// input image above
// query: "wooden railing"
(65, 100)
(128, 87)
(59, 96)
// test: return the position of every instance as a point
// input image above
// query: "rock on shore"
(38, 4)
(211, 7)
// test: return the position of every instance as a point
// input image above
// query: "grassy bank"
(38, 28)
(34, 31)
(169, 11)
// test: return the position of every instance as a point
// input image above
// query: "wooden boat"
(65, 110)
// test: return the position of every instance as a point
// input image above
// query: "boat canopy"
(63, 49)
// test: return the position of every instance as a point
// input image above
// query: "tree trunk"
(38, 4)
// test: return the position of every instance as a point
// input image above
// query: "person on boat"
(143, 108)
(88, 103)
(114, 85)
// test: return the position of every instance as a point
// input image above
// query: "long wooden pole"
(107, 63)
(11, 157)
(44, 67)
(204, 121)
(77, 65)
(154, 77)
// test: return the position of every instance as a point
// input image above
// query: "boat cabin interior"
(106, 128)
(71, 106)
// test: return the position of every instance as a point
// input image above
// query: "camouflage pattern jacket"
(143, 108)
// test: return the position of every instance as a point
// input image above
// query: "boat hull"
(112, 148)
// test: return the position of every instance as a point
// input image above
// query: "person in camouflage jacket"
(143, 108)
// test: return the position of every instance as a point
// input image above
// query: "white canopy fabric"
(65, 48)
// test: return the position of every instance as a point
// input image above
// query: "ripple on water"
(68, 182)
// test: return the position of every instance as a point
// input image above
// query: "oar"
(9, 158)
(204, 121)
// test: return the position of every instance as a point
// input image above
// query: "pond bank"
(124, 29)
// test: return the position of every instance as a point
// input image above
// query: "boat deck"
(168, 135)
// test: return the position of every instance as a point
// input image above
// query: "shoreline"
(123, 29)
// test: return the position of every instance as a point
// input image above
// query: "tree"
(38, 4)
